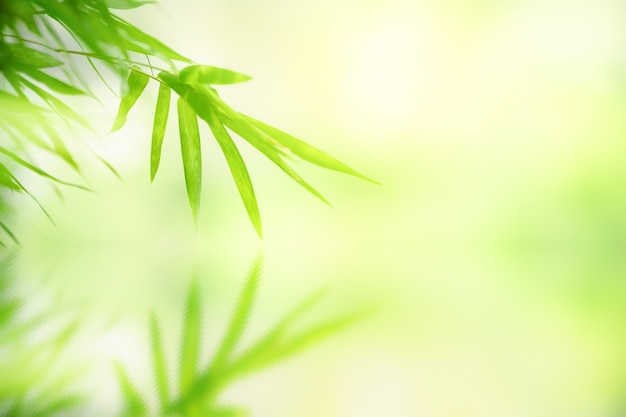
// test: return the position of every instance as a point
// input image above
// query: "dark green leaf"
(192, 157)
(205, 74)
(158, 130)
(237, 168)
(135, 84)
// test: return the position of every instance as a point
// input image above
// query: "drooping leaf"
(191, 338)
(239, 318)
(51, 82)
(304, 150)
(159, 363)
(191, 152)
(128, 4)
(158, 130)
(17, 54)
(135, 84)
(133, 403)
(38, 170)
(205, 74)
(238, 170)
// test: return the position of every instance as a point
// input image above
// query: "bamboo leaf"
(134, 404)
(37, 170)
(158, 362)
(135, 84)
(205, 74)
(238, 170)
(19, 55)
(51, 82)
(239, 318)
(192, 158)
(158, 130)
(191, 338)
(304, 150)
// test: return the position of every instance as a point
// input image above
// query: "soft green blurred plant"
(195, 388)
(38, 66)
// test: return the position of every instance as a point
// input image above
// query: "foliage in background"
(195, 387)
(39, 42)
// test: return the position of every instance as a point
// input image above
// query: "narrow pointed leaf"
(51, 82)
(135, 84)
(191, 339)
(20, 55)
(304, 150)
(158, 362)
(239, 318)
(134, 404)
(238, 170)
(205, 74)
(158, 129)
(36, 169)
(192, 157)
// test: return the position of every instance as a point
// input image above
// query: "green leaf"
(304, 150)
(51, 82)
(239, 318)
(128, 4)
(37, 170)
(158, 129)
(16, 54)
(191, 338)
(135, 84)
(134, 404)
(192, 157)
(158, 362)
(205, 74)
(238, 170)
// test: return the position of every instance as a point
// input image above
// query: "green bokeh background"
(496, 244)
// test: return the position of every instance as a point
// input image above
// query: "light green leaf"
(16, 54)
(135, 84)
(134, 405)
(304, 150)
(158, 362)
(158, 129)
(128, 4)
(192, 157)
(51, 82)
(191, 338)
(205, 74)
(237, 168)
(239, 318)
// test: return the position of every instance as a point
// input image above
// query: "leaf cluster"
(195, 388)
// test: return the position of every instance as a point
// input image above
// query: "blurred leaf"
(135, 84)
(239, 318)
(52, 83)
(192, 157)
(304, 150)
(238, 170)
(133, 404)
(158, 362)
(128, 4)
(19, 55)
(191, 338)
(205, 74)
(158, 130)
